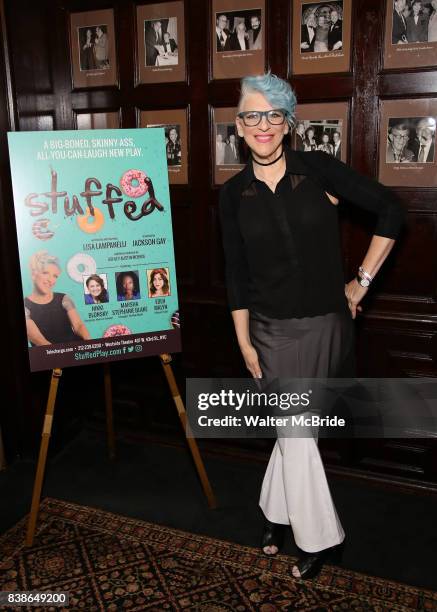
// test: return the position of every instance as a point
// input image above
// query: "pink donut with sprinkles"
(133, 183)
(40, 230)
(117, 330)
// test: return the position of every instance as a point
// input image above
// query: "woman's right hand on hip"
(250, 357)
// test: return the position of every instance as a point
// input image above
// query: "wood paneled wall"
(397, 334)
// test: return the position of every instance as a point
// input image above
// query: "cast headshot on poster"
(128, 286)
(51, 317)
(159, 285)
(95, 289)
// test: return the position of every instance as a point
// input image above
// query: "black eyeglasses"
(252, 118)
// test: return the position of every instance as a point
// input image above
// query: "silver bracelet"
(365, 274)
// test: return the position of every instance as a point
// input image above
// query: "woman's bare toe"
(295, 571)
(270, 550)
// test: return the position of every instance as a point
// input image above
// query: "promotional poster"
(94, 231)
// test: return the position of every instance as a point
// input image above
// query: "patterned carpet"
(113, 563)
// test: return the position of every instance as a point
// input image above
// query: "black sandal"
(310, 564)
(273, 535)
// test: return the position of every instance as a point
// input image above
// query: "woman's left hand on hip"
(354, 294)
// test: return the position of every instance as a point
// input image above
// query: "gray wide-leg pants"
(295, 490)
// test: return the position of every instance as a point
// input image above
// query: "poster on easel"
(94, 230)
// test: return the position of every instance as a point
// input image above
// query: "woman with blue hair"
(292, 309)
(51, 317)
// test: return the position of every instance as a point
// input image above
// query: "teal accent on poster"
(95, 239)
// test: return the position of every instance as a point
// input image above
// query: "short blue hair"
(277, 91)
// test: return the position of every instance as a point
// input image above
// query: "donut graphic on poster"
(116, 330)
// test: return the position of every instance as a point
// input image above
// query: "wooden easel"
(47, 428)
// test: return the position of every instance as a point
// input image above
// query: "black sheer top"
(282, 250)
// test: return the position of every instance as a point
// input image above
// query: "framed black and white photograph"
(175, 125)
(227, 145)
(411, 140)
(161, 43)
(237, 38)
(93, 49)
(238, 31)
(322, 127)
(229, 152)
(321, 27)
(407, 154)
(321, 36)
(173, 147)
(319, 135)
(410, 33)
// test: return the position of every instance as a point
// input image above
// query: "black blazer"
(299, 142)
(245, 258)
(235, 43)
(227, 46)
(151, 52)
(419, 32)
(415, 147)
(172, 44)
(336, 34)
(230, 158)
(399, 29)
(305, 37)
